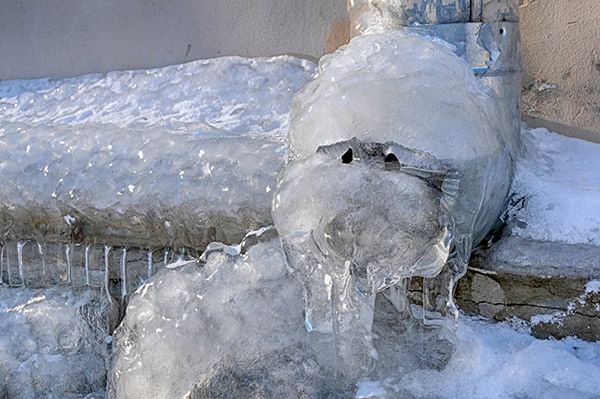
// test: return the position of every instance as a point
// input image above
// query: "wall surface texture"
(59, 38)
(561, 61)
(62, 38)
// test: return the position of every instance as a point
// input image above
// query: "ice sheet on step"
(181, 155)
(556, 189)
(138, 187)
(229, 94)
(53, 343)
(189, 320)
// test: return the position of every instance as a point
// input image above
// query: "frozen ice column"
(397, 165)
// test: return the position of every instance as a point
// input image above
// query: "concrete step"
(554, 286)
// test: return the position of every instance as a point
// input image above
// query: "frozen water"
(53, 343)
(233, 328)
(142, 143)
(489, 360)
(397, 164)
(190, 321)
(232, 325)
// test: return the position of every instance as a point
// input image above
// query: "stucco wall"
(561, 61)
(61, 38)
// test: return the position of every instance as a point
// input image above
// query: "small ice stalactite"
(123, 264)
(397, 165)
(34, 264)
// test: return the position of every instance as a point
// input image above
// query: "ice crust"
(53, 343)
(182, 155)
(188, 321)
(397, 165)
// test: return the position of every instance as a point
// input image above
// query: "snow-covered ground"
(558, 176)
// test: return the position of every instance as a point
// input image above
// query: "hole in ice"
(347, 156)
(391, 161)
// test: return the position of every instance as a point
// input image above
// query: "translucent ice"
(53, 343)
(171, 157)
(397, 165)
(187, 323)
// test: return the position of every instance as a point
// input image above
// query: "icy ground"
(558, 176)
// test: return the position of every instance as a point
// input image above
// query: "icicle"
(107, 274)
(124, 275)
(150, 264)
(41, 252)
(69, 266)
(86, 261)
(2, 246)
(20, 262)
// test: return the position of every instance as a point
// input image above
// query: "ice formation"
(160, 159)
(397, 165)
(201, 323)
(250, 336)
(53, 343)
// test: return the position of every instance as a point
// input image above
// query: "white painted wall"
(61, 38)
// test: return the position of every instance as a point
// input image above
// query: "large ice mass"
(236, 322)
(182, 155)
(239, 304)
(397, 165)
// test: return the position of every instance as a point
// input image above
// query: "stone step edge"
(555, 287)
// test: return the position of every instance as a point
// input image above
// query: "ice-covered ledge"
(171, 157)
(148, 188)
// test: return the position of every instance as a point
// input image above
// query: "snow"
(224, 95)
(558, 178)
(236, 96)
(498, 361)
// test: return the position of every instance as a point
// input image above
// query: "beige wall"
(61, 38)
(561, 61)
